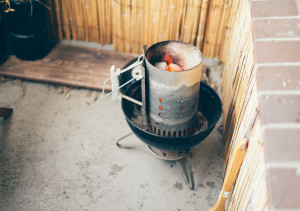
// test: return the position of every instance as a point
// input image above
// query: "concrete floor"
(60, 154)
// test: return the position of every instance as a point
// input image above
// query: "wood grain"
(231, 174)
(69, 65)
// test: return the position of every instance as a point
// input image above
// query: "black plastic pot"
(3, 50)
(27, 29)
(30, 47)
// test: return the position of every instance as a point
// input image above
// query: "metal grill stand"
(162, 107)
(182, 159)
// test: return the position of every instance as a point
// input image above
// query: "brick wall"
(276, 35)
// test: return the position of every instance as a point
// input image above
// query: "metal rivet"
(180, 116)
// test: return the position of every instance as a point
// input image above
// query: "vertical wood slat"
(74, 25)
(202, 23)
(213, 25)
(108, 21)
(116, 8)
(129, 24)
(190, 21)
(52, 26)
(126, 25)
(78, 30)
(57, 7)
(66, 19)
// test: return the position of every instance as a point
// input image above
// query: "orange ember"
(170, 60)
(171, 66)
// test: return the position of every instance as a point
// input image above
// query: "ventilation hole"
(179, 133)
(164, 154)
(184, 132)
(174, 134)
(158, 132)
(154, 130)
(164, 133)
(169, 133)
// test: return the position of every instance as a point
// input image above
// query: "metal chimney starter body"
(173, 96)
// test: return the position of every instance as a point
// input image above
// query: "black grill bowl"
(209, 105)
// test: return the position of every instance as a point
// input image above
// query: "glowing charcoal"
(174, 67)
(161, 65)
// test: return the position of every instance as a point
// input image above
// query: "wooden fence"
(130, 24)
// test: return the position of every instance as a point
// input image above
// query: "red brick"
(276, 78)
(273, 8)
(282, 145)
(298, 5)
(283, 188)
(276, 51)
(276, 28)
(279, 109)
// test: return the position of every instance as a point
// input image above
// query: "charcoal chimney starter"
(172, 101)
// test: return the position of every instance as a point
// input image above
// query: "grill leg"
(126, 146)
(184, 164)
(122, 138)
(186, 170)
(5, 112)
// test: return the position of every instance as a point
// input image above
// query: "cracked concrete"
(60, 154)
